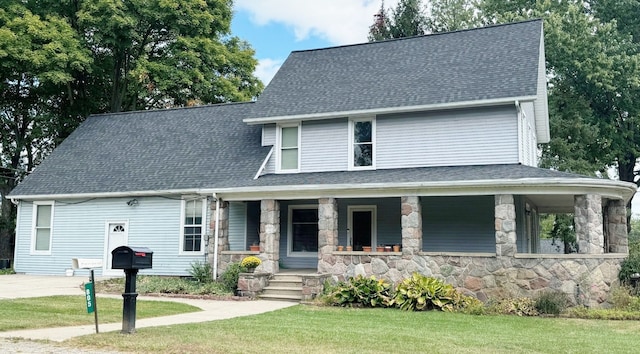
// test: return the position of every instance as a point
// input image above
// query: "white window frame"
(279, 168)
(352, 122)
(374, 225)
(34, 222)
(203, 231)
(290, 252)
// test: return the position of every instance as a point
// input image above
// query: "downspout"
(215, 241)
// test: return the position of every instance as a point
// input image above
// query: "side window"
(42, 228)
(362, 143)
(193, 220)
(289, 148)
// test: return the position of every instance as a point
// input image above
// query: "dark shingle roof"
(480, 64)
(151, 150)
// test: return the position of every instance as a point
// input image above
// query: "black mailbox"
(125, 257)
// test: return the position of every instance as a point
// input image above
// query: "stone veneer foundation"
(586, 278)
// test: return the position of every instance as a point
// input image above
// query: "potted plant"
(349, 248)
(340, 248)
(255, 247)
(250, 263)
(380, 248)
(396, 248)
(366, 248)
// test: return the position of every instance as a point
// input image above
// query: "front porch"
(483, 252)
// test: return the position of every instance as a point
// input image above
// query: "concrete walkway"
(18, 286)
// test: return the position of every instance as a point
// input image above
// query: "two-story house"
(428, 143)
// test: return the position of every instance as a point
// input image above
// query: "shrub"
(621, 298)
(629, 266)
(229, 278)
(419, 293)
(522, 306)
(360, 291)
(552, 302)
(201, 272)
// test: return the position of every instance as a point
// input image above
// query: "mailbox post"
(130, 259)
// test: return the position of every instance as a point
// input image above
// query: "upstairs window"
(42, 222)
(193, 218)
(362, 136)
(289, 148)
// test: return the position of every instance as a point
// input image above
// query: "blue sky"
(274, 28)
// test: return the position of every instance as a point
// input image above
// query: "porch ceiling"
(553, 203)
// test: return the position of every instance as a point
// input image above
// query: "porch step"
(284, 287)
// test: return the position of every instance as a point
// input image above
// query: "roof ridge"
(170, 109)
(419, 36)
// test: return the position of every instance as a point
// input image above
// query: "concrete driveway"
(14, 286)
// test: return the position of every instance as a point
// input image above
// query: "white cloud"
(337, 21)
(267, 68)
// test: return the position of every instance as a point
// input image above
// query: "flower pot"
(387, 248)
(380, 249)
(396, 248)
(251, 270)
(254, 248)
(349, 248)
(366, 248)
(340, 248)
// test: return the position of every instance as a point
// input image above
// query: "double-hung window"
(42, 228)
(193, 220)
(362, 143)
(289, 140)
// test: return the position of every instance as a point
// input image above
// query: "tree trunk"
(7, 225)
(626, 173)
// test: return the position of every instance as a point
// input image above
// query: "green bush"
(552, 302)
(629, 266)
(201, 272)
(419, 293)
(621, 298)
(522, 306)
(229, 278)
(602, 314)
(360, 291)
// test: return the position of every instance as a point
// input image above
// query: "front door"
(362, 226)
(117, 235)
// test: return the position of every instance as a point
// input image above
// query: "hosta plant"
(419, 293)
(361, 291)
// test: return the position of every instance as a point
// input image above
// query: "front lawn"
(306, 329)
(60, 311)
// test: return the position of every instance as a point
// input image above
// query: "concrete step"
(276, 290)
(280, 297)
(285, 283)
(287, 277)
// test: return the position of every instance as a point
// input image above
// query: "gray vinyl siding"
(79, 228)
(269, 135)
(458, 224)
(388, 219)
(237, 226)
(324, 145)
(445, 138)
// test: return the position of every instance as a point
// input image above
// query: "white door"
(117, 235)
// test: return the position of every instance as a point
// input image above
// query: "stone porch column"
(411, 225)
(223, 232)
(505, 215)
(617, 227)
(327, 232)
(588, 223)
(269, 235)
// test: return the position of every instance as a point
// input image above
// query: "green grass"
(58, 311)
(307, 329)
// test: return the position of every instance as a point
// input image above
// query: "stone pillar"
(588, 223)
(269, 235)
(223, 232)
(411, 225)
(505, 216)
(327, 231)
(617, 227)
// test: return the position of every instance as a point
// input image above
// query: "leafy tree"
(453, 15)
(406, 20)
(37, 56)
(61, 60)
